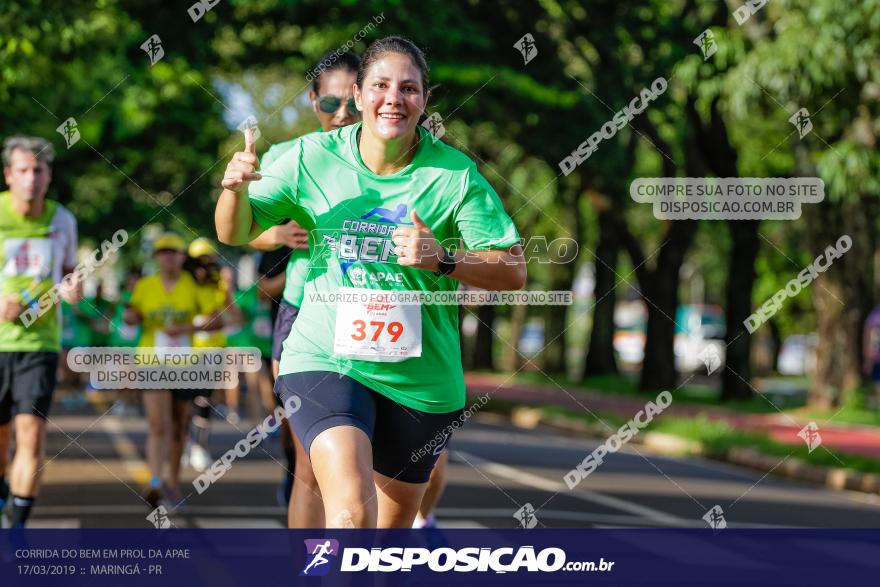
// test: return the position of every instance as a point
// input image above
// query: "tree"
(823, 58)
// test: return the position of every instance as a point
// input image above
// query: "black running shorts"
(27, 381)
(406, 442)
(287, 314)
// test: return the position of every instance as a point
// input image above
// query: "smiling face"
(338, 83)
(392, 98)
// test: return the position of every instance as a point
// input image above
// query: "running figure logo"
(706, 43)
(801, 121)
(159, 518)
(710, 357)
(526, 516)
(715, 518)
(526, 46)
(810, 435)
(153, 47)
(434, 125)
(70, 131)
(386, 215)
(318, 551)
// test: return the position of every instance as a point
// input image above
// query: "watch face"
(446, 264)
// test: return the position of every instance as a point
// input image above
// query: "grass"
(846, 415)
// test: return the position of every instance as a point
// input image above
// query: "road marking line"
(526, 478)
(128, 453)
(459, 524)
(577, 516)
(54, 523)
(115, 510)
(263, 523)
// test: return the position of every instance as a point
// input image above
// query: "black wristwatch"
(446, 265)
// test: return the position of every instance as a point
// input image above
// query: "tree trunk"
(485, 338)
(555, 349)
(463, 341)
(843, 296)
(736, 377)
(661, 297)
(513, 359)
(600, 359)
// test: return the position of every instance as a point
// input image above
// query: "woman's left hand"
(416, 246)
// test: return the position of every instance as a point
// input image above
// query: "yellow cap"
(201, 247)
(169, 240)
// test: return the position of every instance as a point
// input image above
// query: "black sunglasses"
(330, 104)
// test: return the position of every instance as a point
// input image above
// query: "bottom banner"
(232, 557)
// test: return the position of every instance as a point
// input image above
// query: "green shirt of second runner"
(298, 263)
(322, 183)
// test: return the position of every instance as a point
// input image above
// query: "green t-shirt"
(122, 334)
(99, 313)
(322, 183)
(298, 263)
(75, 326)
(34, 251)
(257, 327)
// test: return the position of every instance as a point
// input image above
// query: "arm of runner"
(214, 322)
(289, 234)
(271, 288)
(233, 218)
(231, 314)
(496, 269)
(131, 316)
(240, 217)
(74, 293)
(11, 307)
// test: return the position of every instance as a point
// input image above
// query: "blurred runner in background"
(216, 301)
(125, 335)
(254, 330)
(38, 242)
(165, 304)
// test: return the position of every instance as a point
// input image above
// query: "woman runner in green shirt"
(381, 384)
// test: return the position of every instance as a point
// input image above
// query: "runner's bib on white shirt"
(370, 328)
(28, 256)
(167, 345)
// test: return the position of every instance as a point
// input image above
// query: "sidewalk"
(860, 440)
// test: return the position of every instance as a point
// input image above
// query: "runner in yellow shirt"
(165, 304)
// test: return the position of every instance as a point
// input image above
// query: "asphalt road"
(96, 470)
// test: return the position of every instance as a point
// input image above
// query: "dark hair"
(202, 273)
(335, 61)
(393, 45)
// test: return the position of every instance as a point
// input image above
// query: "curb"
(835, 478)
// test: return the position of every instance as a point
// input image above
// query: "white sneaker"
(199, 458)
(184, 457)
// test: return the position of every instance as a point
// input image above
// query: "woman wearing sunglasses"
(379, 382)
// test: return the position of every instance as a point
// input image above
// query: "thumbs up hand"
(242, 168)
(416, 246)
